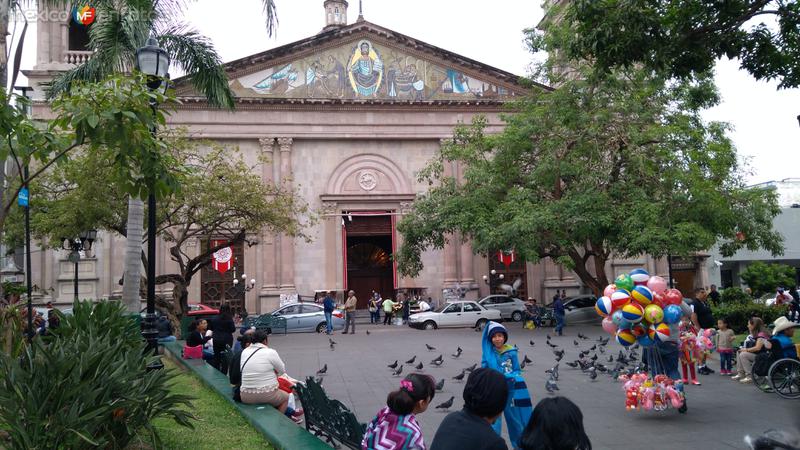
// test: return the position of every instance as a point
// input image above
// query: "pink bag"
(193, 352)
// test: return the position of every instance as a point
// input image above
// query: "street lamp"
(153, 61)
(24, 201)
(240, 288)
(82, 243)
(490, 279)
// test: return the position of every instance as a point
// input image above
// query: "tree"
(764, 278)
(123, 29)
(685, 38)
(220, 197)
(618, 164)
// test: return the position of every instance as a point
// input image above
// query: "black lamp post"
(24, 201)
(490, 279)
(153, 61)
(77, 245)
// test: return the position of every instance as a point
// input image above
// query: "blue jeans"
(375, 317)
(725, 361)
(208, 355)
(329, 322)
(559, 323)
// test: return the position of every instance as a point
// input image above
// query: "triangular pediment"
(366, 62)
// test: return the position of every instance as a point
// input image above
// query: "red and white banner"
(222, 258)
(506, 257)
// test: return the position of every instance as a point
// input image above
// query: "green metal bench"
(327, 418)
(266, 322)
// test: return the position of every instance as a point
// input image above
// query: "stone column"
(331, 221)
(269, 252)
(467, 261)
(286, 242)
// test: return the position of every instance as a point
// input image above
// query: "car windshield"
(441, 308)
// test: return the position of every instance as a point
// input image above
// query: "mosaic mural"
(363, 70)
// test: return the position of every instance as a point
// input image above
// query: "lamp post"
(489, 279)
(242, 287)
(24, 201)
(153, 61)
(77, 245)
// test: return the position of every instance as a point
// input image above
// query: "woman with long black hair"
(223, 328)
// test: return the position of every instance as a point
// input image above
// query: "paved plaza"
(721, 411)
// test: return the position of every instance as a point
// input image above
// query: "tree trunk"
(583, 273)
(133, 251)
(5, 16)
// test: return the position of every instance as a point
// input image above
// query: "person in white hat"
(782, 333)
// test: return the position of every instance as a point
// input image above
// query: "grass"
(219, 425)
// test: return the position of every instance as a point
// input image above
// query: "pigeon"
(460, 376)
(593, 348)
(333, 346)
(438, 361)
(594, 357)
(551, 345)
(419, 366)
(526, 359)
(430, 349)
(592, 373)
(553, 372)
(411, 361)
(635, 347)
(398, 371)
(393, 365)
(550, 385)
(457, 353)
(323, 370)
(602, 350)
(601, 368)
(446, 405)
(610, 358)
(582, 336)
(522, 366)
(440, 385)
(575, 342)
(558, 353)
(558, 358)
(471, 368)
(458, 350)
(367, 332)
(574, 364)
(331, 341)
(548, 336)
(532, 343)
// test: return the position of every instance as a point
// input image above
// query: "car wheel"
(429, 325)
(516, 316)
(322, 327)
(481, 324)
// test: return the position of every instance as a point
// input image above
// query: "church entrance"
(369, 245)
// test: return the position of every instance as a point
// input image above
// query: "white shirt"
(260, 370)
(424, 306)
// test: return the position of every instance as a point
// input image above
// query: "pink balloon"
(609, 326)
(610, 289)
(657, 284)
(658, 299)
(673, 297)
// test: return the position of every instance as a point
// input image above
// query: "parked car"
(454, 314)
(510, 308)
(199, 309)
(769, 299)
(580, 309)
(304, 317)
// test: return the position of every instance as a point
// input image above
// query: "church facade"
(348, 117)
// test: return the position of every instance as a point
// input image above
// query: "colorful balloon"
(610, 289)
(662, 332)
(672, 314)
(624, 281)
(619, 320)
(657, 284)
(653, 313)
(620, 299)
(604, 306)
(673, 297)
(639, 330)
(658, 299)
(609, 326)
(642, 295)
(632, 312)
(625, 337)
(645, 341)
(651, 331)
(639, 277)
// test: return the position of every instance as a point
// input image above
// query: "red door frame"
(394, 242)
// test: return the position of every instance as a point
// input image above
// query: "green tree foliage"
(619, 164)
(86, 386)
(738, 314)
(221, 196)
(764, 278)
(734, 295)
(685, 38)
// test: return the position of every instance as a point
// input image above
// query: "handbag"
(195, 352)
(237, 390)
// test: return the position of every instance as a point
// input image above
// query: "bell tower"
(335, 14)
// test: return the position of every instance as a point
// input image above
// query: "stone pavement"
(721, 411)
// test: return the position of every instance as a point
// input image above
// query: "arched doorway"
(369, 244)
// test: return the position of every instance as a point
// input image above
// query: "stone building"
(349, 116)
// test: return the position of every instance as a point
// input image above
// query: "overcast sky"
(766, 131)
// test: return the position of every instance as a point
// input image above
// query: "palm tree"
(120, 30)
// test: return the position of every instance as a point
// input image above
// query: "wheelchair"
(782, 377)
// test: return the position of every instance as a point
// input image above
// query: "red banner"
(506, 257)
(222, 258)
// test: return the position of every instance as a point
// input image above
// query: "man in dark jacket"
(485, 396)
(328, 305)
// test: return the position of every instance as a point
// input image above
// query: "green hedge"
(738, 314)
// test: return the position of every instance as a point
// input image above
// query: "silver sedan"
(307, 317)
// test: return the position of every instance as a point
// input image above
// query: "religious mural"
(364, 70)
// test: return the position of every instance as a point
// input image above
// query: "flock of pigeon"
(624, 363)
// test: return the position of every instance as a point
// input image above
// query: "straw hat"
(782, 323)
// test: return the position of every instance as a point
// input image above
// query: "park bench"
(327, 418)
(265, 322)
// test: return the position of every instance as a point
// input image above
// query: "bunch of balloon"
(637, 308)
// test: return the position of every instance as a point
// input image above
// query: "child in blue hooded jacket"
(502, 357)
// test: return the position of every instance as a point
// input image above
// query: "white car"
(463, 313)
